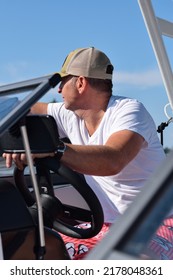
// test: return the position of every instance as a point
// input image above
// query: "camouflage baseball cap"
(88, 62)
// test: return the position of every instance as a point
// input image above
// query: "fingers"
(19, 160)
(8, 159)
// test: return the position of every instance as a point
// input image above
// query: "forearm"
(98, 160)
(104, 160)
(39, 108)
(93, 160)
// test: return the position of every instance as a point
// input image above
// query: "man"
(114, 139)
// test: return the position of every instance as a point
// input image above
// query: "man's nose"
(59, 89)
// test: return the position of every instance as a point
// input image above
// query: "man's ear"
(81, 84)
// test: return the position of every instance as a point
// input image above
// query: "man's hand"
(20, 160)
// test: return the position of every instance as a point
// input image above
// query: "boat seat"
(13, 211)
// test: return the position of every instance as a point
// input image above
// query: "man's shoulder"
(120, 101)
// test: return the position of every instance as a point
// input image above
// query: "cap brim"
(62, 74)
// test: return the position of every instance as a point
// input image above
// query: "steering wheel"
(56, 214)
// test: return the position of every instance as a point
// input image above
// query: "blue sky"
(37, 35)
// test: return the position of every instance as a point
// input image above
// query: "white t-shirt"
(117, 191)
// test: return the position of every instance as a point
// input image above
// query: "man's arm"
(39, 108)
(98, 160)
(104, 160)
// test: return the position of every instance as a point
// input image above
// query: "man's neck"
(93, 116)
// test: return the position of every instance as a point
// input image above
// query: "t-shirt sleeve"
(132, 115)
(56, 110)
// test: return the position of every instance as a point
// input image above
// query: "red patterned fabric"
(161, 244)
(78, 248)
